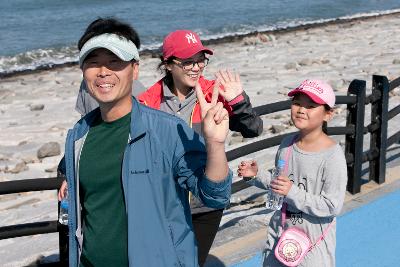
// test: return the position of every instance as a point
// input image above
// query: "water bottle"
(274, 201)
(63, 216)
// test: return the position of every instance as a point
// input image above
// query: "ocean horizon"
(41, 34)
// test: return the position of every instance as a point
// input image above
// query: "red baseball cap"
(319, 91)
(183, 44)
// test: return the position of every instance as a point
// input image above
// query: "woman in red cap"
(183, 62)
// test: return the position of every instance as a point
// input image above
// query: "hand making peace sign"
(215, 118)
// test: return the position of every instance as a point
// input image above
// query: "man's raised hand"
(215, 118)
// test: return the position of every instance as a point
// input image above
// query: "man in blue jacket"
(129, 167)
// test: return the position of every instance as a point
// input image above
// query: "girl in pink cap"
(314, 179)
(183, 61)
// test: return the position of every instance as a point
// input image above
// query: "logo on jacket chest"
(140, 171)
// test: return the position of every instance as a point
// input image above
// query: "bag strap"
(284, 205)
(323, 234)
(285, 171)
(288, 153)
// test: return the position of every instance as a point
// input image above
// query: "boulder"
(20, 167)
(49, 150)
(37, 107)
(277, 128)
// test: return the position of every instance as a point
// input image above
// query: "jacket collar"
(138, 128)
(83, 125)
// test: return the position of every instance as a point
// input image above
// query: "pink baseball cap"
(319, 91)
(183, 44)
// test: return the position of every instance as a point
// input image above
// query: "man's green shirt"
(104, 216)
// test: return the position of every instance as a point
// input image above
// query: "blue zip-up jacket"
(162, 160)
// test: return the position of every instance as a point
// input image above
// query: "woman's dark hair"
(109, 25)
(167, 79)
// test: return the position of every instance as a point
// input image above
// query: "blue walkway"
(367, 236)
(370, 235)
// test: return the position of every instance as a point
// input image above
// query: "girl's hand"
(247, 169)
(281, 185)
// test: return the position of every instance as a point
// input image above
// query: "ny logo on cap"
(191, 38)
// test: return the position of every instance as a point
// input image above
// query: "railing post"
(354, 142)
(379, 116)
(63, 243)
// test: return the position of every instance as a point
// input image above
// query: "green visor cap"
(124, 49)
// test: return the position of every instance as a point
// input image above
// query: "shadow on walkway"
(213, 261)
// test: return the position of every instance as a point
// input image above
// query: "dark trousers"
(205, 228)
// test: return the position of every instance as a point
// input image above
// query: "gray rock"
(266, 37)
(30, 159)
(325, 61)
(22, 143)
(37, 107)
(253, 40)
(20, 167)
(289, 123)
(245, 139)
(235, 134)
(337, 84)
(267, 128)
(291, 65)
(278, 116)
(339, 110)
(235, 139)
(53, 169)
(277, 128)
(49, 150)
(305, 62)
(4, 157)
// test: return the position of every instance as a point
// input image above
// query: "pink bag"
(292, 246)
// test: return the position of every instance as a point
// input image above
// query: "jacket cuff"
(236, 100)
(217, 186)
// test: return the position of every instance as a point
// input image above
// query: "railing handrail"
(30, 185)
(394, 83)
(26, 229)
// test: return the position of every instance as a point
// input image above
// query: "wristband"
(236, 100)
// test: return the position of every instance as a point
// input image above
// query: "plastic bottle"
(274, 201)
(63, 216)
